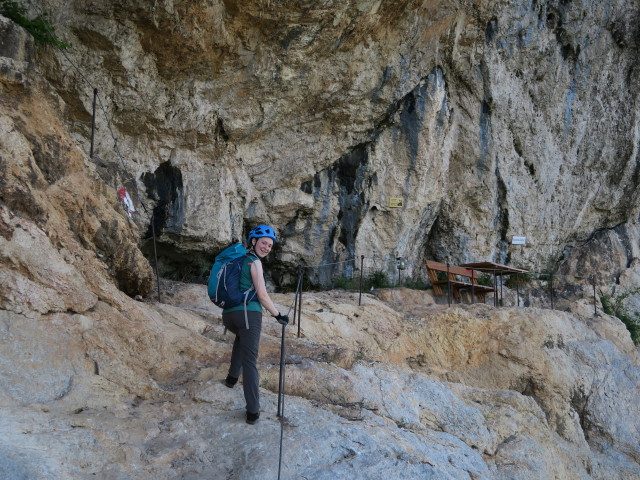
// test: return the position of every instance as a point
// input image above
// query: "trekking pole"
(281, 401)
(282, 352)
(281, 377)
(282, 357)
(281, 380)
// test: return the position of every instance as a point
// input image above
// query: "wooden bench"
(460, 279)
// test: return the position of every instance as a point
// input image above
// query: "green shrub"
(614, 305)
(39, 28)
(418, 284)
(485, 279)
(378, 280)
(347, 283)
(519, 280)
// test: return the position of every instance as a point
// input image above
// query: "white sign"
(518, 240)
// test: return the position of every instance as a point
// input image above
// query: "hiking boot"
(252, 417)
(230, 381)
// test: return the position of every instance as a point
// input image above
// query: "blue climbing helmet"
(262, 231)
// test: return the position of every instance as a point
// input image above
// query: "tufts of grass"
(614, 305)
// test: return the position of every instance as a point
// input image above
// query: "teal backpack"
(223, 286)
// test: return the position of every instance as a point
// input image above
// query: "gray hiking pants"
(245, 353)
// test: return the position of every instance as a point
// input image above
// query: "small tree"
(39, 28)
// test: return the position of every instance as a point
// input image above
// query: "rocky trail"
(371, 392)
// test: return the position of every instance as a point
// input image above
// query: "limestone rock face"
(62, 228)
(484, 120)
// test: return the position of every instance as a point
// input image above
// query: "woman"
(247, 324)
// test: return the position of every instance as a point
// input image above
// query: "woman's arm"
(261, 289)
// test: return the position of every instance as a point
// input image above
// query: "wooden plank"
(454, 269)
(433, 276)
(441, 267)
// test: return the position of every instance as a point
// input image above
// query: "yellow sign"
(395, 202)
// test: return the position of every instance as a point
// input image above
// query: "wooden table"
(453, 283)
(498, 270)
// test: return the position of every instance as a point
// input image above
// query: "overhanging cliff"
(488, 120)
